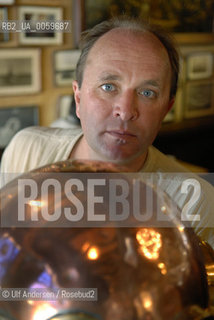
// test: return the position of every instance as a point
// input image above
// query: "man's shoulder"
(167, 166)
(45, 133)
(33, 147)
(39, 138)
(35, 141)
(185, 188)
(160, 162)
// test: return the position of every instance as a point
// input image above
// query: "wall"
(46, 99)
(179, 137)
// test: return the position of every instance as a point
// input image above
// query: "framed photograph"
(13, 119)
(195, 26)
(40, 15)
(199, 99)
(198, 17)
(6, 2)
(199, 65)
(64, 66)
(19, 71)
(4, 36)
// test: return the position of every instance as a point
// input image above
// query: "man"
(126, 83)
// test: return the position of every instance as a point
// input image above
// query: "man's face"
(124, 95)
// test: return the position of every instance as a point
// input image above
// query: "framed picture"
(199, 99)
(198, 17)
(19, 71)
(4, 36)
(65, 65)
(13, 119)
(199, 65)
(6, 2)
(42, 16)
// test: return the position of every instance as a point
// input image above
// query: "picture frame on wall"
(19, 71)
(195, 26)
(65, 62)
(41, 17)
(4, 36)
(6, 2)
(13, 119)
(199, 99)
(199, 65)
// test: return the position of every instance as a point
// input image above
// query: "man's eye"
(108, 87)
(148, 93)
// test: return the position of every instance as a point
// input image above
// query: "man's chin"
(126, 159)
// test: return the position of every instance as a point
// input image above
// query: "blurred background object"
(141, 272)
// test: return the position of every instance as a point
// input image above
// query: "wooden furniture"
(191, 140)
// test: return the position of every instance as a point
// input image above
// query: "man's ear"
(76, 97)
(170, 105)
(171, 102)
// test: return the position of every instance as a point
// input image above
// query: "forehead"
(122, 44)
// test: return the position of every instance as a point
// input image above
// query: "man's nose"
(125, 106)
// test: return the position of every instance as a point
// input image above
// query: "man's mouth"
(121, 134)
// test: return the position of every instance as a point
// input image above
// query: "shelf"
(190, 141)
(187, 125)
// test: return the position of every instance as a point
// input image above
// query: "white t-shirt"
(34, 147)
